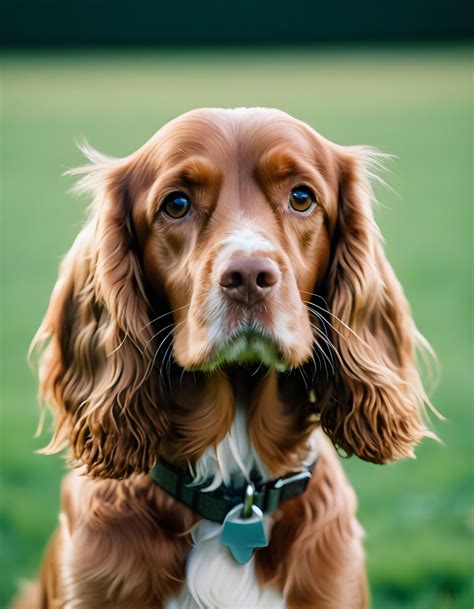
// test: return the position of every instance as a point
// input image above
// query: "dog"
(225, 318)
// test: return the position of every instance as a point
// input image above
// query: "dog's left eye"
(301, 199)
(176, 206)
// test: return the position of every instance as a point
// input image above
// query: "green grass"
(415, 104)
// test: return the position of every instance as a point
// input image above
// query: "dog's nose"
(249, 279)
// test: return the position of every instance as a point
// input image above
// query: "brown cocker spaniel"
(225, 315)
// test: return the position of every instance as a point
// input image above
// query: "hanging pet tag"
(243, 529)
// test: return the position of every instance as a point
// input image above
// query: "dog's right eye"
(176, 206)
(301, 199)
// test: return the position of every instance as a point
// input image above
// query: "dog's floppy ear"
(98, 337)
(375, 403)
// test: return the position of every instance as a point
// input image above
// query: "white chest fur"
(214, 580)
(234, 458)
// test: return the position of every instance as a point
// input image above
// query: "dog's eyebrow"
(196, 170)
(280, 163)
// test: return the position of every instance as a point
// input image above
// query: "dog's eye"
(301, 199)
(176, 206)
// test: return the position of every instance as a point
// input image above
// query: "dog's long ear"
(97, 336)
(375, 404)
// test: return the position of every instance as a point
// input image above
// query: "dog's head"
(231, 238)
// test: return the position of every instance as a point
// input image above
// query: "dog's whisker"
(164, 315)
(152, 363)
(164, 365)
(315, 369)
(314, 295)
(163, 359)
(316, 362)
(332, 348)
(170, 357)
(325, 359)
(300, 370)
(326, 321)
(326, 310)
(326, 324)
(159, 332)
(326, 339)
(257, 370)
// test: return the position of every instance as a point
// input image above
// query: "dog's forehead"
(242, 134)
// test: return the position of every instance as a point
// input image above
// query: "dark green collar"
(215, 505)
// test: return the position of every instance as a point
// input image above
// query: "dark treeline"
(189, 22)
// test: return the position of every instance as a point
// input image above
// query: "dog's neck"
(232, 422)
(235, 459)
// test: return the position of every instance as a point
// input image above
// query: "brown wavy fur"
(99, 372)
(375, 403)
(97, 369)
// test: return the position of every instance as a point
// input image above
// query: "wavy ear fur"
(375, 403)
(93, 367)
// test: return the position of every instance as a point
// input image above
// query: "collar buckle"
(303, 476)
(286, 488)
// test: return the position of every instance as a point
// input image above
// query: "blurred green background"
(415, 103)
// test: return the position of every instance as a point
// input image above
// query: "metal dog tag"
(243, 530)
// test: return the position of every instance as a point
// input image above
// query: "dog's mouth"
(248, 346)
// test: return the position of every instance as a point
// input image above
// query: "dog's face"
(235, 230)
(231, 237)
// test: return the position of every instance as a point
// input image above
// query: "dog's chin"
(247, 349)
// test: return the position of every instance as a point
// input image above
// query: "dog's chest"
(214, 580)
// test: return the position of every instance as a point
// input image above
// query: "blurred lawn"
(415, 104)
